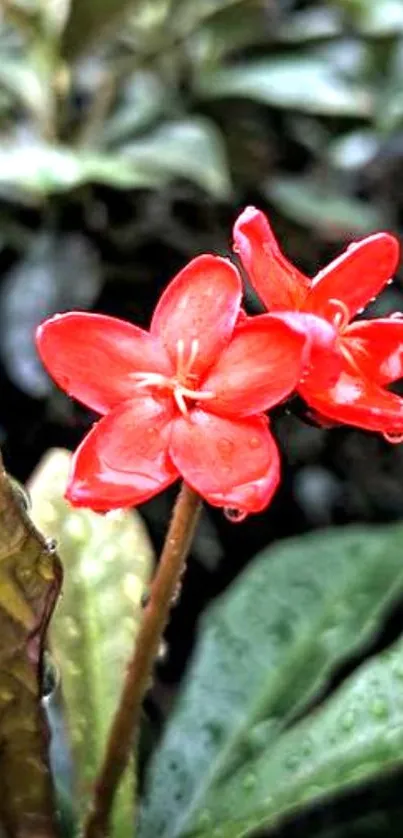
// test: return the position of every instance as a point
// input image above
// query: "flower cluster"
(189, 397)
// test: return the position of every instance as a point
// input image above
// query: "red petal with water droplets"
(92, 357)
(279, 284)
(259, 368)
(356, 400)
(377, 347)
(356, 276)
(323, 357)
(231, 463)
(201, 304)
(124, 459)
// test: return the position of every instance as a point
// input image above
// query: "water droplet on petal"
(389, 282)
(255, 442)
(235, 515)
(397, 315)
(225, 446)
(393, 438)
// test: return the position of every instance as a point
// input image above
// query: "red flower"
(186, 398)
(370, 352)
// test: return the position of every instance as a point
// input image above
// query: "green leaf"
(30, 579)
(89, 21)
(324, 208)
(108, 564)
(265, 649)
(39, 170)
(356, 736)
(143, 100)
(304, 83)
(189, 148)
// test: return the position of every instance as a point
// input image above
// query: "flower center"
(339, 314)
(183, 384)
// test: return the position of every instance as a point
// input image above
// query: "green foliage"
(108, 564)
(235, 754)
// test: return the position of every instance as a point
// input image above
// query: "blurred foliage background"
(132, 133)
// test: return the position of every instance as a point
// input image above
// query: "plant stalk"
(139, 671)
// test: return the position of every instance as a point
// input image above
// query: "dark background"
(321, 152)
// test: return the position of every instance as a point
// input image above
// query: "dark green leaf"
(357, 735)
(324, 208)
(189, 148)
(304, 83)
(264, 651)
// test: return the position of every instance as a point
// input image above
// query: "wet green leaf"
(324, 208)
(265, 649)
(304, 83)
(108, 563)
(30, 578)
(357, 735)
(189, 148)
(40, 170)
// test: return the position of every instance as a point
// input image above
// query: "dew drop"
(348, 720)
(235, 515)
(397, 315)
(292, 763)
(379, 708)
(255, 442)
(225, 446)
(389, 282)
(393, 438)
(51, 545)
(145, 598)
(249, 781)
(204, 820)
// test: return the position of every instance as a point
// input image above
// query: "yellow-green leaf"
(108, 562)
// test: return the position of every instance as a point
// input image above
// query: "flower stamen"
(341, 317)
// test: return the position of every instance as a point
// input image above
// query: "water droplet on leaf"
(379, 708)
(249, 781)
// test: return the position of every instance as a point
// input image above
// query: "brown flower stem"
(139, 670)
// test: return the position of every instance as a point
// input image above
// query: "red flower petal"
(92, 357)
(124, 459)
(201, 304)
(377, 347)
(356, 400)
(356, 276)
(279, 284)
(323, 354)
(259, 368)
(231, 463)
